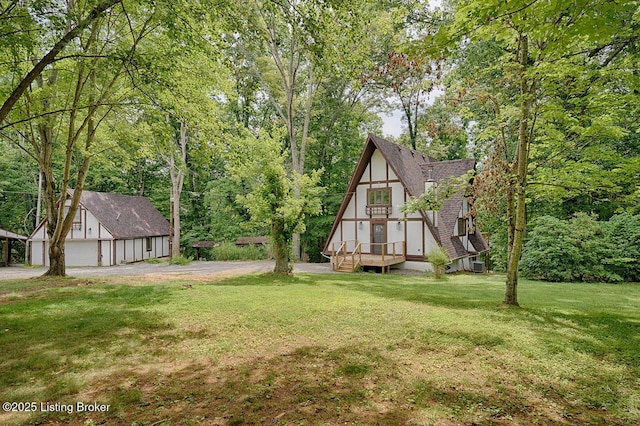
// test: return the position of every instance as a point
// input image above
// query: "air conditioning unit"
(477, 267)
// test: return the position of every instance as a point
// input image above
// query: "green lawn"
(320, 349)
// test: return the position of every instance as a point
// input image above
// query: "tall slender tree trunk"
(177, 172)
(517, 205)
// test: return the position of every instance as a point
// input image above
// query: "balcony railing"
(370, 210)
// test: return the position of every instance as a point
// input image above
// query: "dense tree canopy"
(157, 99)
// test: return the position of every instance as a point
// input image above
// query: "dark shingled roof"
(448, 214)
(125, 216)
(478, 242)
(413, 169)
(405, 163)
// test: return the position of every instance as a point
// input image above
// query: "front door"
(378, 235)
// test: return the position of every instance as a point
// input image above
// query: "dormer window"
(462, 226)
(430, 173)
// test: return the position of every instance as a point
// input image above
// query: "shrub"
(180, 260)
(439, 259)
(622, 234)
(583, 249)
(229, 251)
(550, 252)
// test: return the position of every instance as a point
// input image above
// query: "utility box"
(478, 267)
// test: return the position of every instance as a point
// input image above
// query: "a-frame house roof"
(413, 169)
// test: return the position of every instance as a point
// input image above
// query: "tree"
(541, 47)
(73, 31)
(79, 90)
(411, 80)
(183, 119)
(277, 199)
(291, 48)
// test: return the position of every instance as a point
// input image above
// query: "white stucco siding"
(336, 235)
(40, 233)
(392, 175)
(141, 250)
(416, 266)
(350, 211)
(364, 233)
(119, 253)
(106, 256)
(397, 199)
(157, 247)
(362, 200)
(395, 233)
(365, 175)
(414, 238)
(348, 230)
(165, 246)
(127, 255)
(91, 225)
(103, 233)
(378, 166)
(430, 242)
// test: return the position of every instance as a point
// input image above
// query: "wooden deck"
(344, 260)
(378, 260)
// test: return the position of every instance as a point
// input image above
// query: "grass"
(321, 349)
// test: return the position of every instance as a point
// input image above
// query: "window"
(148, 243)
(77, 218)
(379, 201)
(462, 226)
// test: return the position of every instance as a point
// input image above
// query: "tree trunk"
(518, 206)
(57, 267)
(177, 172)
(280, 247)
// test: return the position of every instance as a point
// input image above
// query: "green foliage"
(439, 258)
(440, 192)
(180, 260)
(276, 199)
(583, 249)
(230, 251)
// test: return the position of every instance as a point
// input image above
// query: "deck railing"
(343, 250)
(393, 249)
(340, 252)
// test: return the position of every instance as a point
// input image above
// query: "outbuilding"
(108, 229)
(6, 240)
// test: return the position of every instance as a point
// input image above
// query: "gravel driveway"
(146, 269)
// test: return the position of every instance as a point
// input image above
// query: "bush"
(230, 251)
(622, 233)
(180, 260)
(439, 259)
(583, 249)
